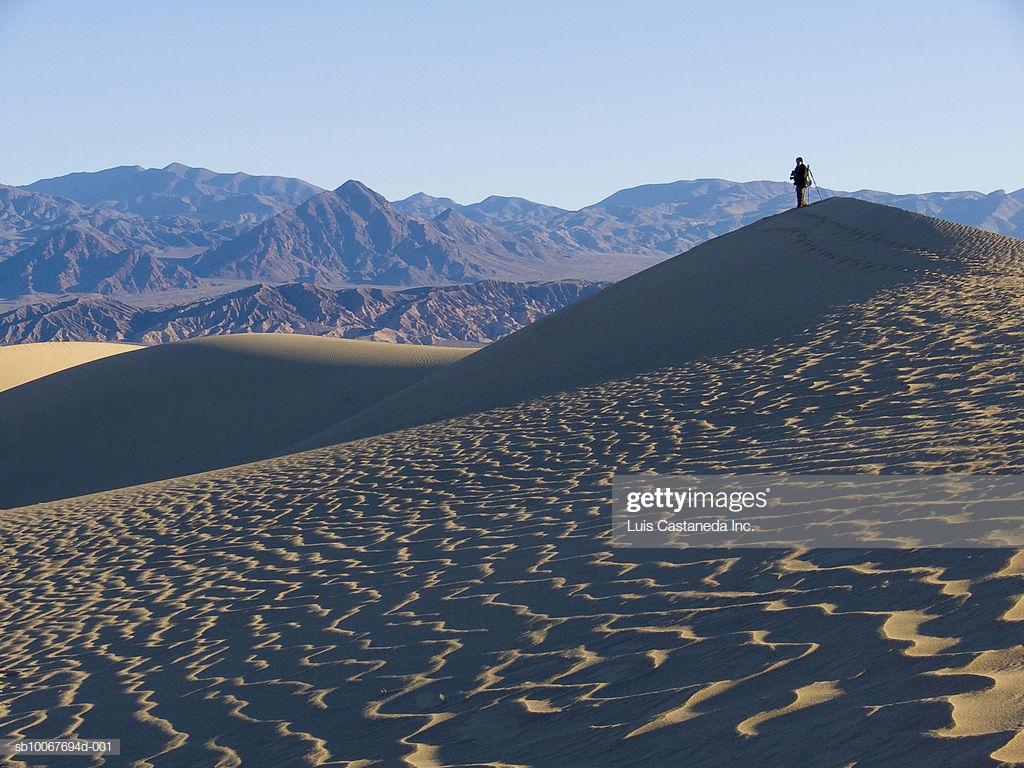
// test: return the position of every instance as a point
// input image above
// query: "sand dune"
(763, 282)
(26, 362)
(179, 408)
(445, 594)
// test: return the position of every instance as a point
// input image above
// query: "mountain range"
(666, 219)
(133, 230)
(27, 217)
(473, 313)
(354, 235)
(178, 190)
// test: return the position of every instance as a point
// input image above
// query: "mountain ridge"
(353, 234)
(80, 258)
(661, 220)
(180, 190)
(471, 313)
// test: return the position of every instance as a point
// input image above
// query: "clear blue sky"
(560, 101)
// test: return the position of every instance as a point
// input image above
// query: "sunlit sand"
(22, 363)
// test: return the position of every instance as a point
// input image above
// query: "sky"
(558, 101)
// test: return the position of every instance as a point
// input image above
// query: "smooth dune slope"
(20, 363)
(446, 595)
(767, 280)
(179, 408)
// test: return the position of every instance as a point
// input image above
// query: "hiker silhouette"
(801, 178)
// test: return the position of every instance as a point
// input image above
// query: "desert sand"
(179, 408)
(443, 594)
(26, 362)
(767, 281)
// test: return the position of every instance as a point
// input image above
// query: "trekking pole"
(816, 187)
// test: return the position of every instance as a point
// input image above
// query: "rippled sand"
(444, 595)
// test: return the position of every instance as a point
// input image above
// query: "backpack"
(808, 179)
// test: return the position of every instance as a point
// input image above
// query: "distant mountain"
(471, 313)
(699, 196)
(655, 221)
(285, 190)
(80, 258)
(68, 318)
(109, 231)
(718, 201)
(422, 206)
(27, 217)
(509, 210)
(996, 211)
(178, 190)
(354, 235)
(665, 219)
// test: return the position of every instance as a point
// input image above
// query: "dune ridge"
(22, 363)
(739, 290)
(806, 696)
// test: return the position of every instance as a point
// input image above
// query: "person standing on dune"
(801, 177)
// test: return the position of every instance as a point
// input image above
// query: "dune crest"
(806, 696)
(21, 363)
(905, 626)
(768, 280)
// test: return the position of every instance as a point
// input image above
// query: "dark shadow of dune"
(186, 407)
